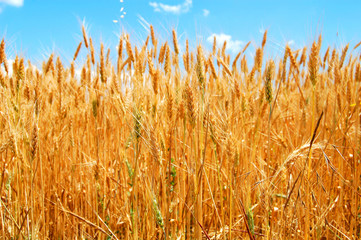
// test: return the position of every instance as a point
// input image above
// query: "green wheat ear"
(269, 75)
(130, 169)
(95, 105)
(137, 124)
(158, 214)
(250, 220)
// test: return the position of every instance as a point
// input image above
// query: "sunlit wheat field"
(172, 139)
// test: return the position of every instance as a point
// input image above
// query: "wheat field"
(168, 144)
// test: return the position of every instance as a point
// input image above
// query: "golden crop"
(172, 144)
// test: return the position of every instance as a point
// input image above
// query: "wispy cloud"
(232, 45)
(16, 3)
(205, 12)
(174, 9)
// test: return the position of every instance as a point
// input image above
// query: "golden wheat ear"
(2, 52)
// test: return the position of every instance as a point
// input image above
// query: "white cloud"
(174, 9)
(232, 45)
(155, 6)
(10, 66)
(16, 3)
(291, 42)
(205, 12)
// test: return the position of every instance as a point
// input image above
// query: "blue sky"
(35, 28)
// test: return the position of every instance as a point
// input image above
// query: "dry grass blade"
(300, 175)
(84, 220)
(245, 217)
